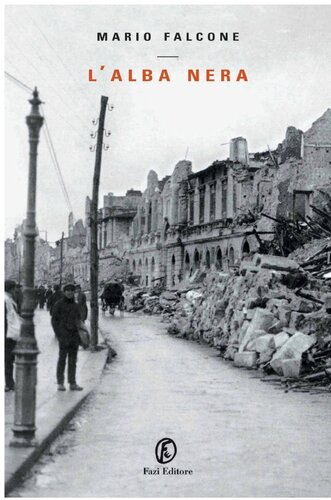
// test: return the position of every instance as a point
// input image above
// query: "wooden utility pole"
(61, 259)
(94, 258)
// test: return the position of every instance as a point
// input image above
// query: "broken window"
(191, 207)
(234, 197)
(301, 202)
(166, 230)
(219, 259)
(201, 205)
(143, 223)
(212, 202)
(246, 249)
(149, 217)
(224, 198)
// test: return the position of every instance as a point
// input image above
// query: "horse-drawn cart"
(112, 297)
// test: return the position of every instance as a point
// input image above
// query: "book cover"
(206, 132)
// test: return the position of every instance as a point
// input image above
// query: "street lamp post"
(26, 350)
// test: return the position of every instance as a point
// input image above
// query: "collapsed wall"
(269, 316)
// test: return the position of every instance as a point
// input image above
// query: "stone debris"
(270, 314)
(258, 318)
(294, 347)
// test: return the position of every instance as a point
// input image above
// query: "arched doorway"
(196, 259)
(173, 270)
(218, 262)
(231, 256)
(187, 264)
(246, 249)
(208, 259)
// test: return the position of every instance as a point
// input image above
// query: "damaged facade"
(213, 218)
(14, 257)
(210, 219)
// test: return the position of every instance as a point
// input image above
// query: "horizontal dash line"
(169, 57)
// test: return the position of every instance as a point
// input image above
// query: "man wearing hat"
(65, 321)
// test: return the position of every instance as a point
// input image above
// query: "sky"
(285, 50)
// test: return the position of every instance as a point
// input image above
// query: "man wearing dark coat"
(41, 296)
(49, 294)
(65, 321)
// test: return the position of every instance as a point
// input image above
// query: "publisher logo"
(165, 450)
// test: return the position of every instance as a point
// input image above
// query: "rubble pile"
(142, 299)
(157, 300)
(316, 258)
(134, 299)
(271, 314)
(292, 234)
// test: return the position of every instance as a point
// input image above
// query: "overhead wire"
(67, 104)
(45, 59)
(18, 82)
(60, 59)
(83, 139)
(49, 142)
(55, 161)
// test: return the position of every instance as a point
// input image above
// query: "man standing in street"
(65, 322)
(49, 293)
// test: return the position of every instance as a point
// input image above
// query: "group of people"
(68, 311)
(48, 296)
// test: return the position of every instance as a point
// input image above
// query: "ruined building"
(214, 217)
(198, 220)
(14, 257)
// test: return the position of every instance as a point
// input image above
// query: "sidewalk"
(53, 409)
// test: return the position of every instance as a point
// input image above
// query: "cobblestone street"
(239, 436)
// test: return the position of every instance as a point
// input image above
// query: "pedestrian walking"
(12, 333)
(65, 322)
(57, 295)
(81, 301)
(48, 295)
(41, 297)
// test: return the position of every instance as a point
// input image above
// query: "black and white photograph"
(167, 250)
